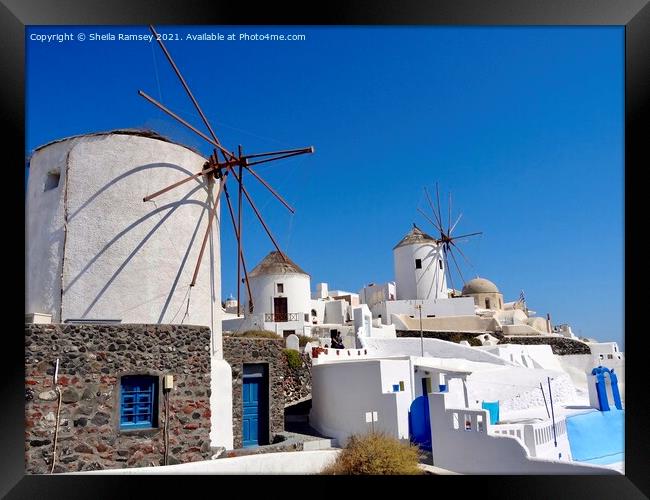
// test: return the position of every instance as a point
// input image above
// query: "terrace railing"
(281, 317)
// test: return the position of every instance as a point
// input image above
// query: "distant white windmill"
(446, 239)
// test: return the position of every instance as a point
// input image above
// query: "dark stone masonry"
(240, 351)
(92, 360)
(297, 381)
(559, 345)
(448, 336)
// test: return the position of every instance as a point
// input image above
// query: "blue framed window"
(138, 402)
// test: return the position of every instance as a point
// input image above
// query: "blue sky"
(523, 125)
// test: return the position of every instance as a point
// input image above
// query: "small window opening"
(418, 263)
(52, 180)
(138, 402)
(280, 287)
(440, 264)
(487, 303)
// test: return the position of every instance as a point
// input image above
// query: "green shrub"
(258, 334)
(375, 453)
(304, 339)
(473, 341)
(293, 358)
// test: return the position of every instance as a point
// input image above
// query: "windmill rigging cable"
(221, 169)
(155, 70)
(187, 309)
(182, 302)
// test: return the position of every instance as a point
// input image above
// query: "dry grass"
(375, 453)
(304, 339)
(257, 334)
(293, 358)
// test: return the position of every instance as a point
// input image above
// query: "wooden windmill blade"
(310, 149)
(449, 215)
(230, 159)
(208, 230)
(457, 266)
(241, 254)
(205, 171)
(439, 225)
(438, 198)
(429, 219)
(257, 213)
(451, 230)
(165, 109)
(467, 235)
(186, 87)
(448, 269)
(239, 227)
(231, 165)
(463, 255)
(273, 192)
(446, 238)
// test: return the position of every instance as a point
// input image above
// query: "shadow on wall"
(170, 208)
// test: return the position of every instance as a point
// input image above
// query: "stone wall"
(237, 351)
(92, 358)
(297, 381)
(448, 336)
(559, 345)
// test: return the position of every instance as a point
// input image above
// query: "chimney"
(321, 289)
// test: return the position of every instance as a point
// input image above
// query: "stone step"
(319, 444)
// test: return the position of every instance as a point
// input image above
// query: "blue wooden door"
(251, 418)
(419, 423)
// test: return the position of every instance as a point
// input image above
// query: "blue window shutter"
(138, 401)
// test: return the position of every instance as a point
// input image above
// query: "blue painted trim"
(137, 400)
(603, 401)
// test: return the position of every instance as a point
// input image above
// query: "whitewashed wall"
(122, 258)
(517, 388)
(296, 290)
(477, 452)
(432, 347)
(460, 306)
(95, 250)
(429, 282)
(318, 306)
(530, 356)
(375, 293)
(264, 289)
(336, 311)
(579, 366)
(343, 392)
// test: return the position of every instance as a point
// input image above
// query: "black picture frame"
(15, 15)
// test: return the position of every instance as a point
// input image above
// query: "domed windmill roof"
(274, 263)
(479, 285)
(415, 236)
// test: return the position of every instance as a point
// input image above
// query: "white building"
(420, 281)
(281, 298)
(419, 267)
(96, 251)
(284, 304)
(380, 386)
